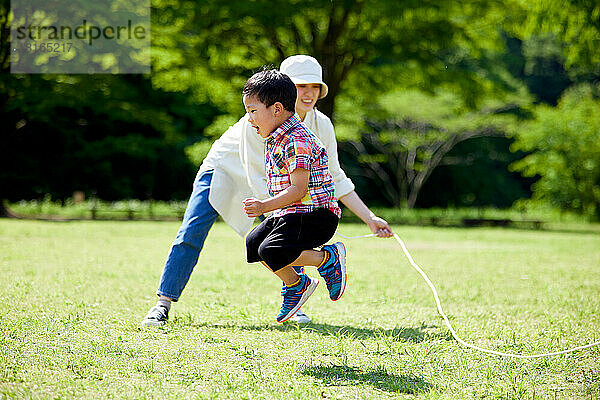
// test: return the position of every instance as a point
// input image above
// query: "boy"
(302, 196)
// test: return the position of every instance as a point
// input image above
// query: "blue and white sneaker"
(295, 296)
(333, 269)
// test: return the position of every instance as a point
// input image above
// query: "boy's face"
(264, 119)
(308, 94)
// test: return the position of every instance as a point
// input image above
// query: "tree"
(565, 152)
(412, 136)
(212, 46)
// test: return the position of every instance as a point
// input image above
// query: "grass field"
(73, 294)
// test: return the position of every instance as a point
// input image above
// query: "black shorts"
(278, 241)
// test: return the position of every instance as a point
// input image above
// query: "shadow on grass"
(401, 334)
(343, 375)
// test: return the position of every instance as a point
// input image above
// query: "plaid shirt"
(293, 146)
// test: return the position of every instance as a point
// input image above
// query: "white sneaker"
(157, 316)
(300, 318)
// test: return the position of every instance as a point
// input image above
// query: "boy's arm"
(295, 192)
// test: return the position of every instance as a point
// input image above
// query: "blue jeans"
(198, 219)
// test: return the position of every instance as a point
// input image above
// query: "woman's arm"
(377, 225)
(344, 188)
(326, 133)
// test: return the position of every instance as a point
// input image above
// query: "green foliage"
(527, 216)
(211, 47)
(198, 151)
(565, 152)
(119, 136)
(408, 134)
(111, 135)
(539, 62)
(95, 208)
(524, 214)
(576, 23)
(475, 174)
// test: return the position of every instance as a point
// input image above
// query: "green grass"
(73, 295)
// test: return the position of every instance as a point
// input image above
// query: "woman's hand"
(380, 227)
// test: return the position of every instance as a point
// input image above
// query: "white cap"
(304, 70)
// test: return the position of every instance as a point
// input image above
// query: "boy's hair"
(271, 86)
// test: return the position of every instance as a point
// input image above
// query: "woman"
(233, 170)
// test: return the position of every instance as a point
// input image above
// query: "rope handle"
(447, 322)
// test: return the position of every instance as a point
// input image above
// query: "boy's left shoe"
(295, 296)
(333, 269)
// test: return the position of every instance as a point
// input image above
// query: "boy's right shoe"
(333, 269)
(157, 316)
(295, 296)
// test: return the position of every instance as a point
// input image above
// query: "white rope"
(447, 322)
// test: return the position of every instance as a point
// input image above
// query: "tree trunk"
(328, 61)
(326, 105)
(329, 52)
(5, 212)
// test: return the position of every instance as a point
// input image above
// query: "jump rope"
(447, 322)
